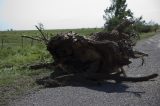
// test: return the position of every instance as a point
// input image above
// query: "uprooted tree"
(97, 58)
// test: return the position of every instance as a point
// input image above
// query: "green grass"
(147, 35)
(14, 77)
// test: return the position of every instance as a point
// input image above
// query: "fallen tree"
(96, 58)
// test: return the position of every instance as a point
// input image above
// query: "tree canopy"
(116, 13)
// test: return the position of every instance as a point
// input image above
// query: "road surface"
(109, 94)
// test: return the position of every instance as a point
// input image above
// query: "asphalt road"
(109, 94)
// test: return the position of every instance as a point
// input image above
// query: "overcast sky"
(60, 14)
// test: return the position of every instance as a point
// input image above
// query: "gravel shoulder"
(109, 94)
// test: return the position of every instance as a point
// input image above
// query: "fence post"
(22, 41)
(2, 43)
(31, 42)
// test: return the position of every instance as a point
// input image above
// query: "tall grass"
(16, 54)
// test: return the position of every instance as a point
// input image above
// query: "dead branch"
(100, 57)
(24, 36)
(41, 65)
(44, 36)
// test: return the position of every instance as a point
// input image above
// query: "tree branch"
(43, 35)
(24, 36)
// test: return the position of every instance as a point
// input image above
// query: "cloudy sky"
(60, 14)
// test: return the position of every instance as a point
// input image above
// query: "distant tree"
(10, 29)
(141, 26)
(116, 13)
(156, 26)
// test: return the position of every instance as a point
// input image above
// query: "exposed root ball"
(97, 58)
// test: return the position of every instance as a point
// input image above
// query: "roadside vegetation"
(118, 11)
(16, 53)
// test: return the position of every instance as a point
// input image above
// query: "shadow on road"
(107, 87)
(110, 87)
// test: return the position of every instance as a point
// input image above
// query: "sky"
(67, 14)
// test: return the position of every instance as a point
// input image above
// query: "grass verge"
(146, 35)
(15, 77)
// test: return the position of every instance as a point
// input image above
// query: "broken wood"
(33, 38)
(96, 58)
(41, 65)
